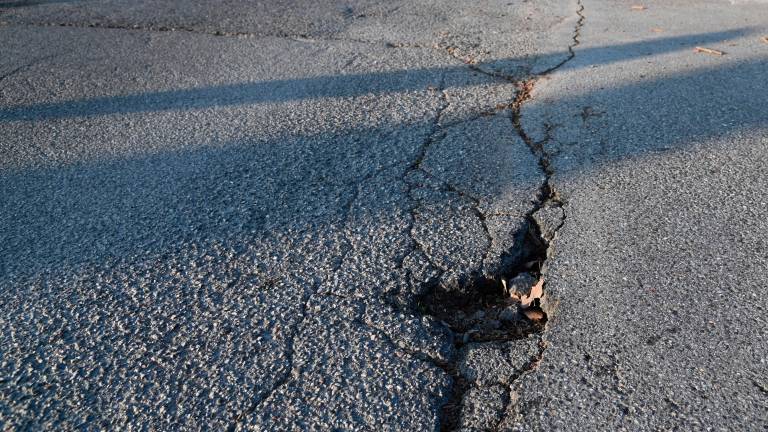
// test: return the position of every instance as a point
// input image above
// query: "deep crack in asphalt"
(482, 310)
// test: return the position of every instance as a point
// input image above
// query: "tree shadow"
(155, 203)
(337, 86)
(27, 3)
(295, 190)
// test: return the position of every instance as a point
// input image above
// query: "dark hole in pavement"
(483, 311)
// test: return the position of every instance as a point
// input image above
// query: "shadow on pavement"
(27, 3)
(293, 191)
(152, 203)
(339, 86)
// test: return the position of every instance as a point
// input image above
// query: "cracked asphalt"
(226, 216)
(660, 269)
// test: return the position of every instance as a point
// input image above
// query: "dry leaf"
(534, 314)
(657, 30)
(765, 39)
(638, 7)
(708, 51)
(537, 291)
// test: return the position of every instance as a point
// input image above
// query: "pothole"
(484, 312)
(489, 309)
(502, 306)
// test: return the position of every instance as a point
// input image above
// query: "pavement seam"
(153, 29)
(301, 37)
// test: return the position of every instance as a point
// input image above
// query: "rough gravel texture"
(224, 216)
(661, 266)
(219, 217)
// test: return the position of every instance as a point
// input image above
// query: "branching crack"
(26, 66)
(434, 135)
(575, 40)
(532, 365)
(296, 331)
(285, 378)
(536, 247)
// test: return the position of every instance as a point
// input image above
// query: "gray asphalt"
(289, 215)
(227, 226)
(661, 268)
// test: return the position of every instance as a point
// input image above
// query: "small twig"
(708, 51)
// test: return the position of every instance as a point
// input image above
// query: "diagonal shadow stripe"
(337, 86)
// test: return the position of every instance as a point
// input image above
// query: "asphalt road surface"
(298, 215)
